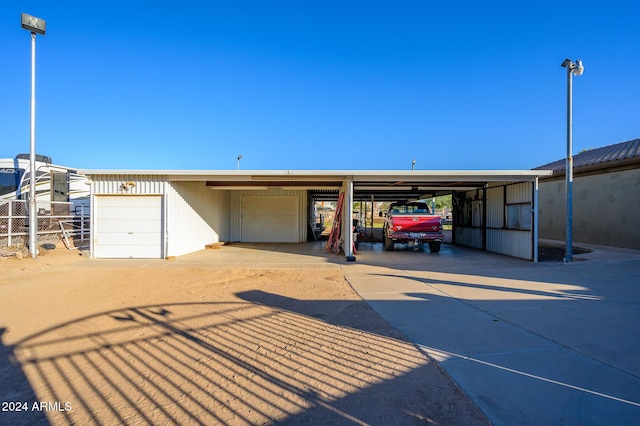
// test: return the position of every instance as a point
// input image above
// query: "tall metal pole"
(572, 69)
(33, 214)
(569, 168)
(33, 25)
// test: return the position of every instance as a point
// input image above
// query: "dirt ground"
(82, 343)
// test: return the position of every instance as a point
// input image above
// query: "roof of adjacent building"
(607, 156)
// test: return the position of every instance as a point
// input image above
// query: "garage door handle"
(130, 233)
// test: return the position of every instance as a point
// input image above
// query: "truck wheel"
(388, 244)
(434, 246)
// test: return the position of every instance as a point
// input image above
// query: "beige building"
(606, 197)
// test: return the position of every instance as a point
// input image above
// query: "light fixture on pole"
(413, 164)
(35, 26)
(573, 68)
(239, 158)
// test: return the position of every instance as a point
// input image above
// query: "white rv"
(53, 183)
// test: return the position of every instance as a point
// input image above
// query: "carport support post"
(347, 221)
(372, 209)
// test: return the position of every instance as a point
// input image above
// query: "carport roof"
(332, 175)
(384, 185)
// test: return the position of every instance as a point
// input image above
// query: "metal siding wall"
(519, 193)
(143, 184)
(467, 235)
(302, 215)
(235, 215)
(495, 207)
(197, 216)
(510, 242)
(470, 237)
(236, 209)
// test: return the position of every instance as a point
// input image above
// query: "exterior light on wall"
(573, 68)
(126, 186)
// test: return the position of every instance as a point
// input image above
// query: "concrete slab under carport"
(530, 343)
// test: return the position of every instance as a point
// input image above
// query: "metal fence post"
(9, 224)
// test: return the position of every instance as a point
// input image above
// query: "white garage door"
(128, 226)
(270, 220)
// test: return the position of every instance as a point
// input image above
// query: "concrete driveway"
(543, 343)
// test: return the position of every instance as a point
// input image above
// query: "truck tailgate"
(411, 223)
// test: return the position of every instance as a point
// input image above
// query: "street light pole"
(34, 25)
(573, 68)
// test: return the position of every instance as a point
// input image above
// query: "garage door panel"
(266, 237)
(130, 252)
(126, 239)
(123, 212)
(130, 200)
(277, 229)
(129, 226)
(270, 219)
(284, 226)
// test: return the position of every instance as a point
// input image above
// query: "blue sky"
(318, 85)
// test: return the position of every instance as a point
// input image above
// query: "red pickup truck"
(412, 223)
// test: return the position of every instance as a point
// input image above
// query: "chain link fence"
(53, 218)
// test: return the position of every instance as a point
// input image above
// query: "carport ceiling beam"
(331, 179)
(289, 184)
(415, 188)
